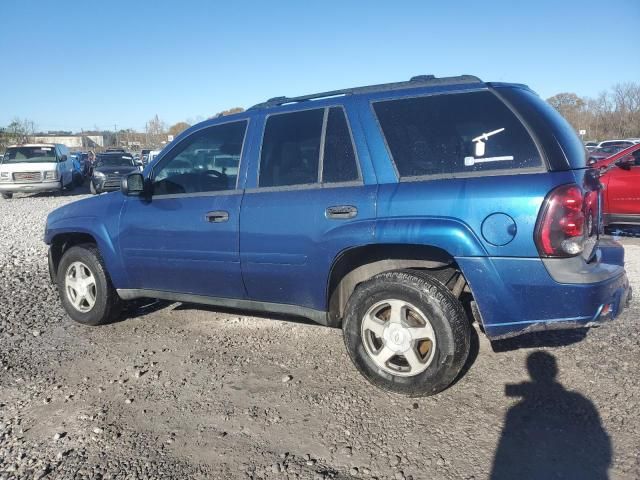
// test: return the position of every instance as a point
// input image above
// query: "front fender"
(91, 225)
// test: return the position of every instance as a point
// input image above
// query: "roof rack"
(417, 81)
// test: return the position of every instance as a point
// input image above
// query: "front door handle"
(218, 216)
(341, 212)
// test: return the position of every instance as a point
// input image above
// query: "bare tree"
(156, 131)
(612, 114)
(18, 131)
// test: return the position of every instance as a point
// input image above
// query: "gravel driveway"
(180, 391)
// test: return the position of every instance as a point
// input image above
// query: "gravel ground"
(180, 391)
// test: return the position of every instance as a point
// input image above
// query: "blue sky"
(78, 64)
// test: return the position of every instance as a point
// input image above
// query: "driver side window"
(206, 161)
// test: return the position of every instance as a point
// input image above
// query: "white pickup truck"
(35, 167)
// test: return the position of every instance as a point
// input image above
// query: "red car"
(621, 179)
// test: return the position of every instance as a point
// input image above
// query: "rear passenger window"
(291, 149)
(339, 162)
(448, 135)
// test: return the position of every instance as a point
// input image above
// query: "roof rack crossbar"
(417, 81)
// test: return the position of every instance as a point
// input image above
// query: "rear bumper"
(519, 295)
(29, 187)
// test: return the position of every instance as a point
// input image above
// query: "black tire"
(7, 196)
(92, 188)
(442, 309)
(108, 305)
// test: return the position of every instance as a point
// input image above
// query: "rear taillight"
(561, 223)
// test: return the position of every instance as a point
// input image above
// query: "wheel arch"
(356, 265)
(62, 242)
(62, 237)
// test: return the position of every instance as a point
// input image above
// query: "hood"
(28, 167)
(121, 170)
(92, 211)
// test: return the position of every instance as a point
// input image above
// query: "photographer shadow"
(552, 432)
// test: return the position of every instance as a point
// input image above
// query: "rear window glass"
(30, 155)
(455, 134)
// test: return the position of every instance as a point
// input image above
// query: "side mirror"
(132, 185)
(63, 158)
(591, 161)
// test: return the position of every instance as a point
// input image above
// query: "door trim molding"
(317, 316)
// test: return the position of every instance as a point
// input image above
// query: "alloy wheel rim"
(80, 287)
(398, 337)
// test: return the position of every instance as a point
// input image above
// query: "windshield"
(29, 155)
(115, 161)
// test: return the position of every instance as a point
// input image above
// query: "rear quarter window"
(453, 135)
(563, 148)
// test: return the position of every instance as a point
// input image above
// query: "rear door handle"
(341, 212)
(218, 216)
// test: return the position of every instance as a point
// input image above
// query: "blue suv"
(398, 212)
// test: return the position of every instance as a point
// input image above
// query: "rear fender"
(448, 234)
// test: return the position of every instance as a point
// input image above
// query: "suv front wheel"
(85, 287)
(407, 333)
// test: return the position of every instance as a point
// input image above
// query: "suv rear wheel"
(85, 287)
(407, 333)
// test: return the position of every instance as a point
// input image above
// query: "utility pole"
(115, 130)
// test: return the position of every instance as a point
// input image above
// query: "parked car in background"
(621, 179)
(144, 155)
(78, 170)
(109, 170)
(36, 167)
(152, 155)
(395, 212)
(602, 153)
(616, 143)
(85, 163)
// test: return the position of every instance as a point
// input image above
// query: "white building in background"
(74, 142)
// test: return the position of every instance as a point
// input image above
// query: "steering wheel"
(215, 173)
